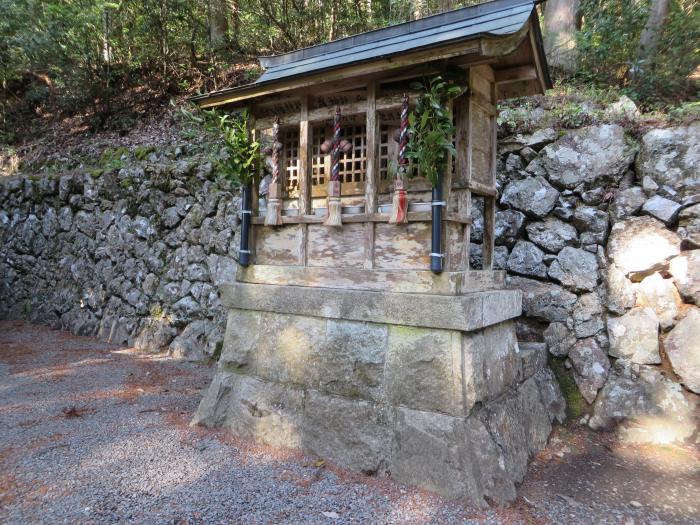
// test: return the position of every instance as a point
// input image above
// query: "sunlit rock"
(661, 296)
(682, 346)
(641, 245)
(644, 407)
(635, 336)
(686, 275)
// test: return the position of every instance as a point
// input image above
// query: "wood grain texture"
(342, 247)
(402, 246)
(280, 245)
(305, 138)
(373, 139)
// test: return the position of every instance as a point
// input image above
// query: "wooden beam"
(385, 103)
(516, 74)
(342, 74)
(536, 56)
(413, 216)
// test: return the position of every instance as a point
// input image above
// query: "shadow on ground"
(96, 433)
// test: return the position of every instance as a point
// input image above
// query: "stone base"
(455, 411)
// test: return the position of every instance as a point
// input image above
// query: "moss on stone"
(218, 349)
(575, 404)
(141, 152)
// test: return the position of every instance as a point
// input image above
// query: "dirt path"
(94, 433)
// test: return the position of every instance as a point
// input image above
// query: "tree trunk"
(218, 24)
(235, 23)
(417, 9)
(334, 21)
(561, 20)
(649, 40)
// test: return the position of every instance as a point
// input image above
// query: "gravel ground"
(94, 433)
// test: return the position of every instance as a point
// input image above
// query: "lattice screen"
(385, 154)
(290, 156)
(353, 165)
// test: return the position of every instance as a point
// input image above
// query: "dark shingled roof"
(498, 18)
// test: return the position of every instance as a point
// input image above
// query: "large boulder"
(635, 336)
(646, 406)
(552, 234)
(527, 259)
(592, 156)
(641, 245)
(671, 158)
(576, 269)
(591, 367)
(683, 349)
(543, 301)
(660, 295)
(533, 196)
(686, 275)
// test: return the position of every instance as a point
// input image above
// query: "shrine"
(357, 330)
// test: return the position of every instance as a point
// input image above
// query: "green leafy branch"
(431, 128)
(238, 164)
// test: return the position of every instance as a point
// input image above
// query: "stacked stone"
(602, 236)
(134, 256)
(456, 412)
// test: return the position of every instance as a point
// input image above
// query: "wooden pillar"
(373, 139)
(463, 170)
(372, 172)
(305, 155)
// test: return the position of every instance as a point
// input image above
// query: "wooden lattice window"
(385, 154)
(290, 160)
(320, 170)
(353, 165)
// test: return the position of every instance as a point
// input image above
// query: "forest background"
(108, 63)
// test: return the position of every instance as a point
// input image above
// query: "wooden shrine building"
(337, 334)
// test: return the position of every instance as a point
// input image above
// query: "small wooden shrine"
(341, 300)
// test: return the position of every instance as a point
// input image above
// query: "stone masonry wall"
(133, 256)
(602, 234)
(600, 231)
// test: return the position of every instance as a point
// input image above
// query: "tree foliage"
(66, 57)
(608, 49)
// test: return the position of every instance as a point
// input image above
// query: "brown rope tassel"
(399, 203)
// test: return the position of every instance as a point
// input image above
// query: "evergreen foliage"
(68, 57)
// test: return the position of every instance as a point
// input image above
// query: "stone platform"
(430, 389)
